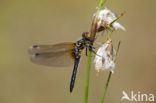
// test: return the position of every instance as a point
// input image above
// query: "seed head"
(105, 58)
(106, 17)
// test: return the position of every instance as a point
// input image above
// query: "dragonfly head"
(85, 36)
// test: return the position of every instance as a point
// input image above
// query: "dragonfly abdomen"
(72, 82)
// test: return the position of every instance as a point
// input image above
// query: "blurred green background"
(27, 22)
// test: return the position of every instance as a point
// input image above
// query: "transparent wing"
(53, 55)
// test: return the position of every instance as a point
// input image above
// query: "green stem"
(116, 19)
(110, 73)
(106, 86)
(109, 77)
(93, 33)
(101, 3)
(87, 78)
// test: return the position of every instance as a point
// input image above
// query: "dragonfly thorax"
(79, 45)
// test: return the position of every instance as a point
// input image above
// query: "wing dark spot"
(34, 46)
(36, 54)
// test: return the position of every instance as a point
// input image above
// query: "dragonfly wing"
(53, 55)
(51, 48)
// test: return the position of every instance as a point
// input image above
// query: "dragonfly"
(61, 54)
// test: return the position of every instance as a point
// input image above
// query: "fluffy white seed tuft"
(105, 58)
(105, 17)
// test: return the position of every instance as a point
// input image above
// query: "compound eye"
(87, 35)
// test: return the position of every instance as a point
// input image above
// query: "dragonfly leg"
(86, 51)
(91, 48)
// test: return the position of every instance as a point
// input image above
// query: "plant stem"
(88, 75)
(117, 19)
(101, 3)
(106, 86)
(110, 73)
(109, 77)
(93, 33)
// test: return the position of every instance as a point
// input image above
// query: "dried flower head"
(106, 17)
(105, 58)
